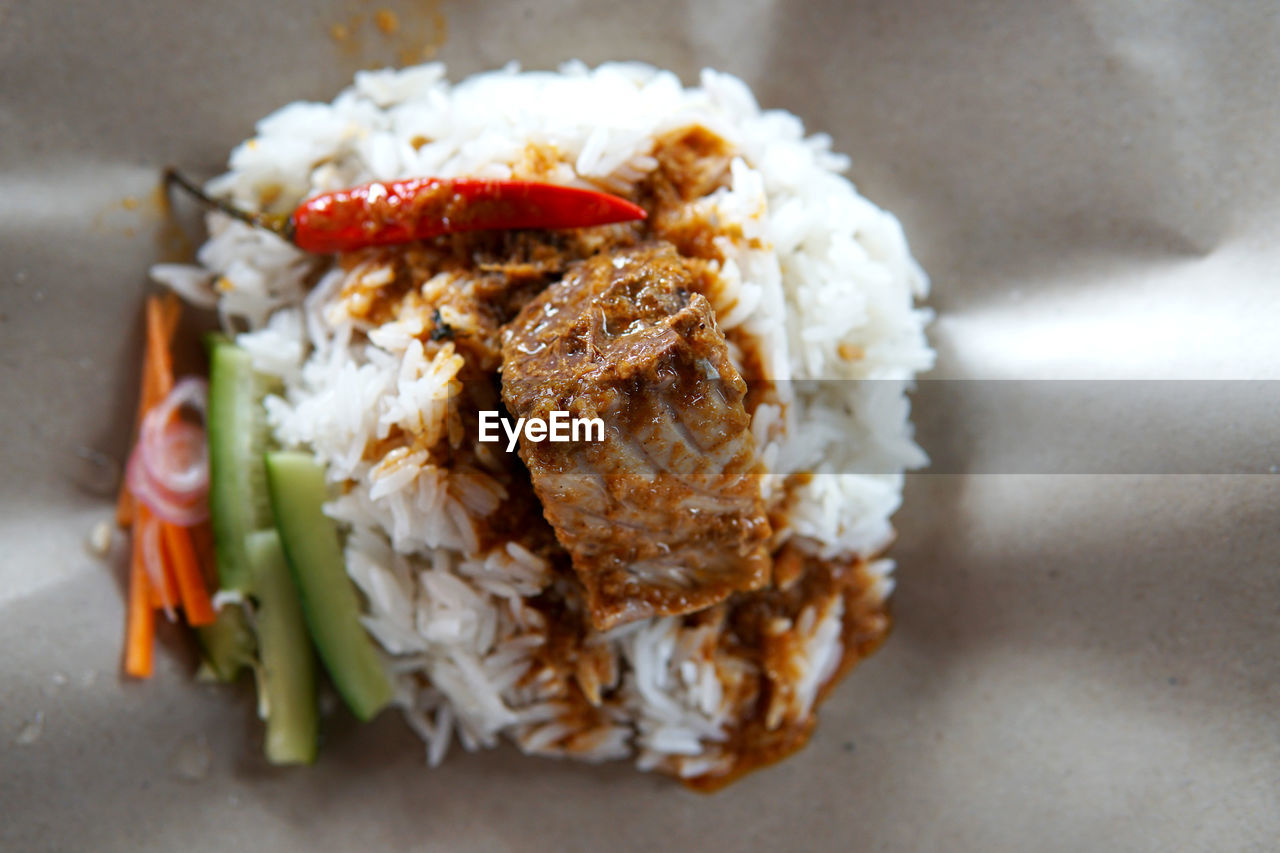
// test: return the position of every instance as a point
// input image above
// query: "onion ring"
(169, 467)
(175, 453)
(162, 505)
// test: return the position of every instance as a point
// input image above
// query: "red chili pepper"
(392, 212)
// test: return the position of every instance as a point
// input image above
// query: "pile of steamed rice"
(819, 275)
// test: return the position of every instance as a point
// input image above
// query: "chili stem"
(275, 224)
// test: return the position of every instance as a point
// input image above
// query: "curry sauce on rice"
(682, 592)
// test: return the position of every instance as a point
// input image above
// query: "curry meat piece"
(664, 516)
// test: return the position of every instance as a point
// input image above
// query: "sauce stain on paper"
(147, 214)
(381, 36)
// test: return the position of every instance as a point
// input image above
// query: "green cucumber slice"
(228, 645)
(298, 491)
(238, 436)
(288, 674)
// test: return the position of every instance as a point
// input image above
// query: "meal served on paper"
(538, 412)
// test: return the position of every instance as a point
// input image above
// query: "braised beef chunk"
(664, 516)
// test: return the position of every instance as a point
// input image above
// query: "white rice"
(829, 275)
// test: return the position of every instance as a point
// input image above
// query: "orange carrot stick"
(165, 595)
(182, 558)
(202, 539)
(162, 314)
(140, 619)
(181, 577)
(171, 593)
(161, 320)
(124, 508)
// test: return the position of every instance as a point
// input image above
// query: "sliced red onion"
(175, 453)
(161, 503)
(180, 460)
(169, 467)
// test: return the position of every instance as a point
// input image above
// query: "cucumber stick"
(288, 674)
(298, 491)
(228, 644)
(238, 434)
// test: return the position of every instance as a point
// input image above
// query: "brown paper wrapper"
(1086, 652)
